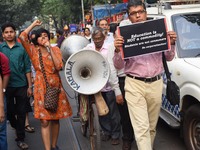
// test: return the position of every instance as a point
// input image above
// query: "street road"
(70, 137)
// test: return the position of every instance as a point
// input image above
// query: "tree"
(60, 11)
(18, 11)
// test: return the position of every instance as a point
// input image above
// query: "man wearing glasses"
(143, 84)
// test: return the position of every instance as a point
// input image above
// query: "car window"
(187, 27)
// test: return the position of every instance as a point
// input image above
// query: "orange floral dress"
(64, 109)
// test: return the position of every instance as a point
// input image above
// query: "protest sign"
(144, 38)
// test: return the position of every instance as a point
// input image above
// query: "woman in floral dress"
(52, 61)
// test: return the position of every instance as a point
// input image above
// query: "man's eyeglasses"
(134, 13)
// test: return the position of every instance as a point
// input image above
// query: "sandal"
(56, 148)
(29, 129)
(22, 145)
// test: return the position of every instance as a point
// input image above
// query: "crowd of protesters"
(131, 109)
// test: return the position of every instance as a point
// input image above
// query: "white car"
(184, 68)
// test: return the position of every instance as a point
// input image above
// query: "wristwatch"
(4, 90)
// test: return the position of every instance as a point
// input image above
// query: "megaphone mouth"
(85, 73)
(87, 76)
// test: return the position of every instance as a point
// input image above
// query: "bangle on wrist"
(30, 86)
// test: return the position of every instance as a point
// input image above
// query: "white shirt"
(109, 38)
(113, 79)
(120, 73)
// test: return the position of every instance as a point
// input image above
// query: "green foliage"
(61, 11)
(18, 11)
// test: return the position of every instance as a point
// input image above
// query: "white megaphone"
(87, 71)
(72, 44)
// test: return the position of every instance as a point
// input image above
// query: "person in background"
(113, 28)
(33, 73)
(18, 40)
(60, 37)
(87, 34)
(79, 32)
(73, 33)
(5, 74)
(110, 123)
(28, 128)
(32, 37)
(53, 40)
(82, 32)
(52, 61)
(89, 25)
(143, 83)
(19, 86)
(127, 129)
(103, 23)
(73, 29)
(66, 31)
(32, 40)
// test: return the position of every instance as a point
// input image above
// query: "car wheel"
(191, 128)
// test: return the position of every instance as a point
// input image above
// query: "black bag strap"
(166, 67)
(42, 65)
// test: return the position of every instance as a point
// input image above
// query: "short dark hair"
(7, 24)
(86, 29)
(102, 20)
(135, 3)
(38, 34)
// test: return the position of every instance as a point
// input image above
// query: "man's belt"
(158, 77)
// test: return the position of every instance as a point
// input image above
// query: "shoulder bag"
(172, 91)
(52, 93)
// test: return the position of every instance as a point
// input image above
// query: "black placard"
(144, 38)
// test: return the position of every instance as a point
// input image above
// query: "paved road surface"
(70, 137)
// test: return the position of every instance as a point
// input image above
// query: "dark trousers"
(127, 129)
(16, 109)
(110, 123)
